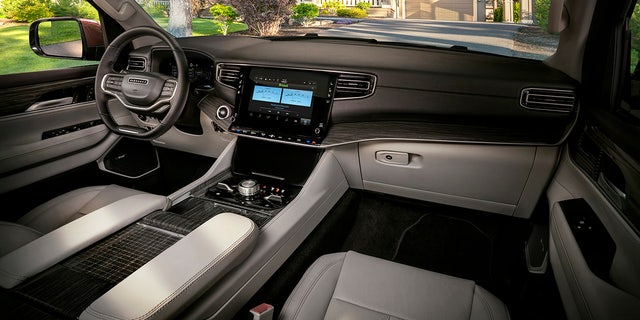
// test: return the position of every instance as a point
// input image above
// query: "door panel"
(586, 292)
(35, 137)
(18, 92)
(48, 124)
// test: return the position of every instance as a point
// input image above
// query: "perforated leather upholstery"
(58, 212)
(355, 286)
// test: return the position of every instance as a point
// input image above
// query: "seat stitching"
(367, 308)
(188, 284)
(485, 303)
(305, 296)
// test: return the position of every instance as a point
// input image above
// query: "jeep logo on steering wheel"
(139, 81)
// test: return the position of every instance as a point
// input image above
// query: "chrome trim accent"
(524, 94)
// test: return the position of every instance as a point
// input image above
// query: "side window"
(16, 55)
(632, 99)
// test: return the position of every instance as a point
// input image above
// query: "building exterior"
(452, 10)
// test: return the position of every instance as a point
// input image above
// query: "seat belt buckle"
(261, 312)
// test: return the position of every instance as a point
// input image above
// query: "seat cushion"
(20, 235)
(72, 205)
(355, 286)
(58, 212)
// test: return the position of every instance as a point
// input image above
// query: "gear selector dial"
(248, 187)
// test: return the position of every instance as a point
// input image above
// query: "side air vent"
(229, 75)
(354, 86)
(548, 99)
(136, 64)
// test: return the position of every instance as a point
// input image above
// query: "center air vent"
(353, 86)
(548, 99)
(229, 75)
(136, 64)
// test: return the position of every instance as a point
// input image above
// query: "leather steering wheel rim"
(111, 83)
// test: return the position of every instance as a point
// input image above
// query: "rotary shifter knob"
(248, 187)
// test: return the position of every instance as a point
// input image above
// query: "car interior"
(312, 177)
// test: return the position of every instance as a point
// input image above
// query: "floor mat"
(447, 245)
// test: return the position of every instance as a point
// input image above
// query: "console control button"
(223, 112)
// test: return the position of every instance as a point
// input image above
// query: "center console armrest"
(181, 273)
(55, 246)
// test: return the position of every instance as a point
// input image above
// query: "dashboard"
(319, 94)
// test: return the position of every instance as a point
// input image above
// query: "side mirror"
(71, 38)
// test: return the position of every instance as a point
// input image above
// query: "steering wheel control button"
(113, 83)
(168, 89)
(248, 187)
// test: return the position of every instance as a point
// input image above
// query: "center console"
(264, 176)
(286, 105)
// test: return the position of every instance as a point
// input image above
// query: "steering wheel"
(143, 93)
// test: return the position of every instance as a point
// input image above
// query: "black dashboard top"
(406, 85)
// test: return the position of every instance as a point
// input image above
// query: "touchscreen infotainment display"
(286, 104)
(282, 101)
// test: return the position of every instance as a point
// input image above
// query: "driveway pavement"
(486, 37)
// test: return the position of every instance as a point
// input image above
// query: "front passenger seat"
(355, 286)
(58, 212)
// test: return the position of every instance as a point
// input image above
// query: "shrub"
(305, 12)
(516, 12)
(263, 17)
(74, 8)
(352, 13)
(223, 16)
(542, 13)
(26, 10)
(332, 7)
(157, 10)
(86, 10)
(363, 5)
(498, 14)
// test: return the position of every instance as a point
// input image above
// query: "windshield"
(503, 27)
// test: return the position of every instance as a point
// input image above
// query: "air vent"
(229, 75)
(548, 99)
(136, 64)
(353, 86)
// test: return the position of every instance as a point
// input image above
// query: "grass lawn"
(203, 27)
(16, 55)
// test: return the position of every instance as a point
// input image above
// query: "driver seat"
(58, 212)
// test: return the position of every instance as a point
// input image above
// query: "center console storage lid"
(179, 274)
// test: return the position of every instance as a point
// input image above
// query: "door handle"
(618, 196)
(50, 104)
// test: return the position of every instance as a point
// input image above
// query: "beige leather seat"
(58, 212)
(355, 286)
